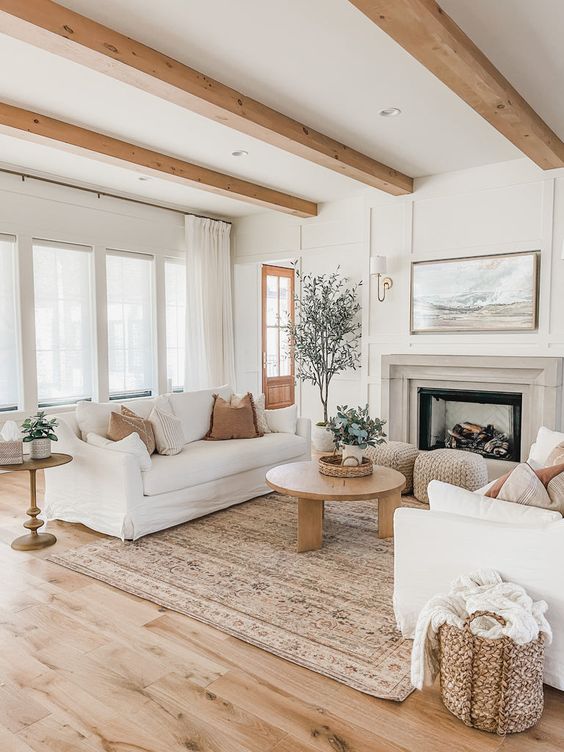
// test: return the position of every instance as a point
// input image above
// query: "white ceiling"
(320, 61)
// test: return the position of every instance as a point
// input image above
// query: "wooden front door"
(277, 360)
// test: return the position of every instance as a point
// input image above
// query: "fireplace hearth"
(484, 422)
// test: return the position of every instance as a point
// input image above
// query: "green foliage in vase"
(39, 427)
(325, 338)
(353, 426)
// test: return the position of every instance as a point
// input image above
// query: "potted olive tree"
(39, 431)
(354, 431)
(325, 337)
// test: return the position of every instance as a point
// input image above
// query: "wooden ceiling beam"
(59, 30)
(424, 30)
(43, 129)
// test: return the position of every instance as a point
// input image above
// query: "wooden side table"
(34, 540)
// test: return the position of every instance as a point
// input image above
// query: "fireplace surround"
(535, 381)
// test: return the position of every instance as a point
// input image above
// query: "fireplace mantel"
(537, 379)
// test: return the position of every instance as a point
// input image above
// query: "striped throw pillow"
(169, 436)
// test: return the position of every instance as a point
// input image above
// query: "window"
(175, 296)
(9, 350)
(63, 322)
(130, 324)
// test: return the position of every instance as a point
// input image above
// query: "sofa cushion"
(545, 442)
(443, 497)
(126, 422)
(282, 420)
(233, 421)
(131, 444)
(194, 410)
(204, 461)
(94, 417)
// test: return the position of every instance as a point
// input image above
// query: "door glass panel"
(271, 301)
(272, 368)
(285, 360)
(284, 300)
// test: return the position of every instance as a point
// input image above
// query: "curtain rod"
(25, 175)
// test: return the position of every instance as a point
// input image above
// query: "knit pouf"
(397, 455)
(464, 469)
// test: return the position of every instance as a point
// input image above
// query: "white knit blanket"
(483, 590)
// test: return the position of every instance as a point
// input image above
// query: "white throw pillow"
(545, 442)
(444, 497)
(259, 401)
(194, 410)
(93, 417)
(282, 420)
(169, 436)
(132, 444)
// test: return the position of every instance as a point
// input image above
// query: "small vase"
(40, 449)
(352, 455)
(322, 439)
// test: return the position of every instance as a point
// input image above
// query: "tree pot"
(40, 449)
(352, 455)
(322, 439)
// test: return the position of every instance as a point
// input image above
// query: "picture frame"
(485, 293)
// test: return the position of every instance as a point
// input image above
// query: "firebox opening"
(488, 423)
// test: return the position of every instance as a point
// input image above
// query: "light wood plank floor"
(89, 668)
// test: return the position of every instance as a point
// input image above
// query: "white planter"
(40, 449)
(322, 439)
(352, 455)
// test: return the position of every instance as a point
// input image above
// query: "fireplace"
(484, 422)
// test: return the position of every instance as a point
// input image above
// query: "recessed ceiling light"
(240, 153)
(143, 178)
(390, 112)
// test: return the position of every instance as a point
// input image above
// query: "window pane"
(63, 322)
(271, 300)
(272, 368)
(9, 350)
(130, 324)
(175, 295)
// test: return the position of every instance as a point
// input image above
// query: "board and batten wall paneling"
(512, 206)
(481, 211)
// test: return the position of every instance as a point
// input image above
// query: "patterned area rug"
(238, 570)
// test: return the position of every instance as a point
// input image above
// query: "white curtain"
(209, 315)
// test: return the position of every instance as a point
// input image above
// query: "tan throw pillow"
(539, 488)
(126, 422)
(233, 421)
(556, 457)
(260, 404)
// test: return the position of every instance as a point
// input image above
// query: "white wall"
(512, 206)
(31, 209)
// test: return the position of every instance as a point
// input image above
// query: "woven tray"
(332, 465)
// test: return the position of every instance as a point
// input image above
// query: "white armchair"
(464, 531)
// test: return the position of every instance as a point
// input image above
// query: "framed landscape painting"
(475, 294)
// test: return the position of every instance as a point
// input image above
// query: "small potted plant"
(39, 431)
(354, 430)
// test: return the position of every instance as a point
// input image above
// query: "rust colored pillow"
(541, 488)
(238, 421)
(126, 422)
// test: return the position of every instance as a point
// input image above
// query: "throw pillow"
(126, 422)
(233, 422)
(260, 402)
(282, 420)
(167, 428)
(556, 457)
(131, 444)
(540, 488)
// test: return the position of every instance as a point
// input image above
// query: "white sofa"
(464, 531)
(106, 490)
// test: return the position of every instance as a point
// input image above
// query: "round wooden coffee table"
(34, 540)
(304, 481)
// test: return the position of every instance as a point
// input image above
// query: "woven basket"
(11, 452)
(492, 685)
(331, 464)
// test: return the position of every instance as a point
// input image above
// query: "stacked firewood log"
(480, 439)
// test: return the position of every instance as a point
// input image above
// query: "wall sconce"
(378, 267)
